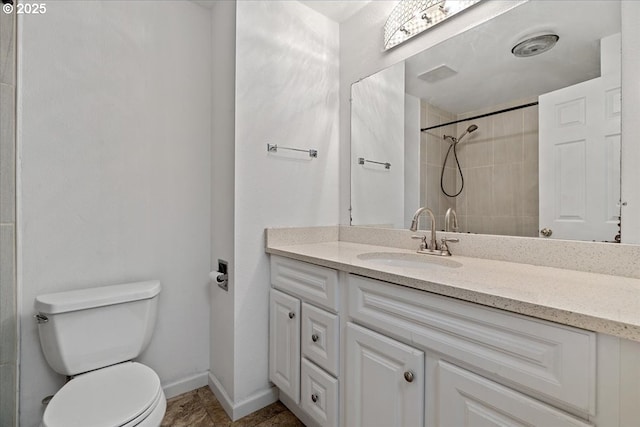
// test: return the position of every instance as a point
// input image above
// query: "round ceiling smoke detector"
(535, 45)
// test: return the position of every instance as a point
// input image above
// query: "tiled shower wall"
(433, 149)
(8, 313)
(500, 167)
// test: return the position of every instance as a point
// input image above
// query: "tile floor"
(200, 408)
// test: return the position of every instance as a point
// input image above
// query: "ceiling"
(489, 75)
(336, 10)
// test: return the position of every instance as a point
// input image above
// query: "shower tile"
(507, 189)
(7, 48)
(508, 137)
(451, 185)
(462, 224)
(476, 153)
(433, 150)
(530, 118)
(508, 150)
(505, 225)
(433, 188)
(461, 204)
(530, 189)
(530, 147)
(476, 149)
(8, 332)
(423, 148)
(529, 226)
(7, 153)
(480, 224)
(479, 188)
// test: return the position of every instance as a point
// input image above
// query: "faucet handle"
(444, 248)
(423, 244)
(449, 239)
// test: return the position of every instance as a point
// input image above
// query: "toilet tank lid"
(80, 299)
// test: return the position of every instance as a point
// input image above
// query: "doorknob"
(546, 232)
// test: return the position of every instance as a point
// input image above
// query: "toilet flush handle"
(41, 318)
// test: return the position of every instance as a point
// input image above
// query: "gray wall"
(115, 173)
(8, 313)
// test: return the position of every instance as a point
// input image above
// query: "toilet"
(92, 336)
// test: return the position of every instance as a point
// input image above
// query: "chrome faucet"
(415, 223)
(448, 226)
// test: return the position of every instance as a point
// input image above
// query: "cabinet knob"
(315, 337)
(408, 376)
(291, 315)
(314, 398)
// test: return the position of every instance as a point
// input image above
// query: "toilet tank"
(87, 329)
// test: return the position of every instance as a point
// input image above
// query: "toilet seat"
(121, 395)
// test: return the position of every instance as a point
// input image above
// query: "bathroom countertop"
(597, 302)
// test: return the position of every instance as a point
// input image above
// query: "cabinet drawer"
(320, 337)
(469, 400)
(552, 362)
(315, 284)
(319, 394)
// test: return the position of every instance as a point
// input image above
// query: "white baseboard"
(184, 385)
(245, 407)
(221, 394)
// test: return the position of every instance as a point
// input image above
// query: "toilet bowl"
(123, 395)
(92, 335)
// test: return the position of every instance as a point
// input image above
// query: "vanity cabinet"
(483, 366)
(384, 381)
(304, 337)
(354, 351)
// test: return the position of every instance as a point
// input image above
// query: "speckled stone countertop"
(593, 301)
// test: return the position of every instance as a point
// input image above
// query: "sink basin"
(421, 261)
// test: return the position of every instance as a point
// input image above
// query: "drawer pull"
(315, 337)
(408, 376)
(291, 315)
(314, 398)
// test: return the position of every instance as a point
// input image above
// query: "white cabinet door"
(284, 343)
(384, 381)
(469, 400)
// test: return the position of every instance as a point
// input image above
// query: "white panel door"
(284, 343)
(469, 400)
(384, 381)
(579, 155)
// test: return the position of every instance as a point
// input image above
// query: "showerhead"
(470, 129)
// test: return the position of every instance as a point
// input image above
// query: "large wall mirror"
(541, 155)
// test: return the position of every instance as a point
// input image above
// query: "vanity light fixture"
(411, 17)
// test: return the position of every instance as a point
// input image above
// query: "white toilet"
(92, 335)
